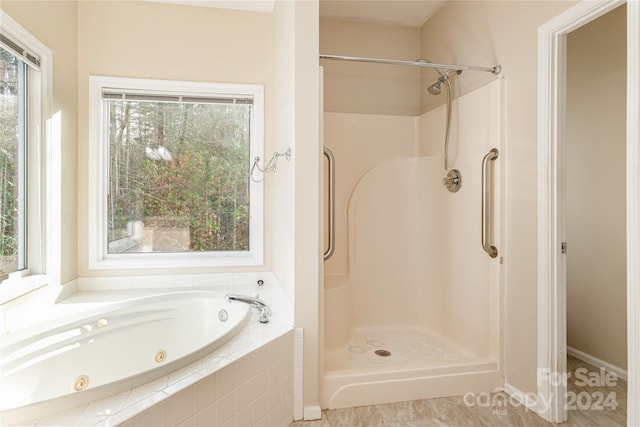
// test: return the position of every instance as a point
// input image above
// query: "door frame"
(552, 307)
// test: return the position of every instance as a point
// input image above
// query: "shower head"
(435, 89)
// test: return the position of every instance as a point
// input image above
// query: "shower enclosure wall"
(411, 300)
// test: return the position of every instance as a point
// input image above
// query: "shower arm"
(493, 70)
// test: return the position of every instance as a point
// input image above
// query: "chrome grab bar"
(486, 203)
(332, 205)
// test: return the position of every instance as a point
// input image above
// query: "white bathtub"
(113, 349)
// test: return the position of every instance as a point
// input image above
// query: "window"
(29, 163)
(175, 187)
(13, 152)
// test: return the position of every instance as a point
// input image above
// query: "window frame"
(99, 258)
(43, 218)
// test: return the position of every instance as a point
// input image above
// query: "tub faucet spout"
(254, 302)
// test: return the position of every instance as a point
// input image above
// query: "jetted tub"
(77, 360)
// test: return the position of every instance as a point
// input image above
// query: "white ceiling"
(403, 12)
(248, 5)
(412, 13)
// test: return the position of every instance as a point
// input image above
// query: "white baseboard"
(528, 400)
(598, 363)
(312, 413)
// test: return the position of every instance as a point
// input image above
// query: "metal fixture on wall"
(453, 180)
(487, 203)
(435, 89)
(270, 166)
(493, 70)
(332, 205)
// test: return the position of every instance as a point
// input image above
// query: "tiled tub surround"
(235, 384)
(257, 390)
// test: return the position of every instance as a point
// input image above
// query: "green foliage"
(9, 174)
(204, 188)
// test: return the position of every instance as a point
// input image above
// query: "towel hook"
(270, 166)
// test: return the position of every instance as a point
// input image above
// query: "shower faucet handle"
(453, 180)
(450, 180)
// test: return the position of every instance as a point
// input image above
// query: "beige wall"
(281, 184)
(296, 193)
(505, 33)
(165, 41)
(61, 39)
(370, 88)
(596, 171)
(308, 157)
(227, 46)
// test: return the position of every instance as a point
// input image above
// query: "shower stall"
(412, 285)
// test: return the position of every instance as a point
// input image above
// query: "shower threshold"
(384, 365)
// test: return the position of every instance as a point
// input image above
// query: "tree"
(203, 188)
(9, 159)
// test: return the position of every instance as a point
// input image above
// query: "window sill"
(16, 287)
(179, 260)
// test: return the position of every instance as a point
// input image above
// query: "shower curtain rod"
(418, 63)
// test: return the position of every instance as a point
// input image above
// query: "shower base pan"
(392, 365)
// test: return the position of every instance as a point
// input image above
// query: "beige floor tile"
(452, 411)
(318, 423)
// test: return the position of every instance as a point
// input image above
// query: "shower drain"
(382, 353)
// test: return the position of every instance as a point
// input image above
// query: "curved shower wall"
(359, 142)
(410, 276)
(396, 235)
